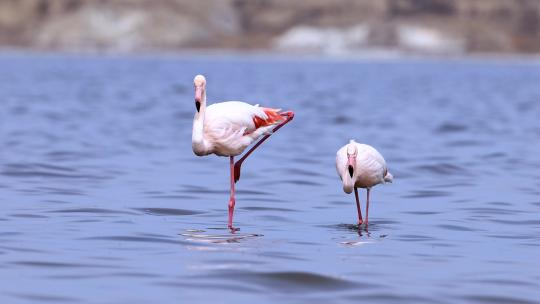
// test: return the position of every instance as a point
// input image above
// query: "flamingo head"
(350, 167)
(200, 88)
(352, 151)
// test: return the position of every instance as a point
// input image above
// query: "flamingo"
(361, 166)
(228, 128)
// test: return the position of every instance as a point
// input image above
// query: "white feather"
(370, 169)
(229, 129)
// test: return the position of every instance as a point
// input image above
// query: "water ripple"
(488, 299)
(167, 211)
(444, 169)
(456, 228)
(91, 210)
(129, 238)
(450, 127)
(45, 171)
(427, 194)
(49, 264)
(44, 298)
(294, 281)
(203, 237)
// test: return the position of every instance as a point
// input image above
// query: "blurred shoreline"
(318, 27)
(228, 54)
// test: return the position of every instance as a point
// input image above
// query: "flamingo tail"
(272, 117)
(388, 177)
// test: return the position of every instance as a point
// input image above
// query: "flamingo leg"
(232, 200)
(358, 206)
(288, 117)
(367, 206)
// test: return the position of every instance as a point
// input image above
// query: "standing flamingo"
(228, 128)
(361, 166)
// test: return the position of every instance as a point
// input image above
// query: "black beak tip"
(351, 171)
(198, 105)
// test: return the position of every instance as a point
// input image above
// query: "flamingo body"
(361, 166)
(370, 168)
(230, 127)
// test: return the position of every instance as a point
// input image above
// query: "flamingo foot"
(288, 114)
(237, 168)
(231, 213)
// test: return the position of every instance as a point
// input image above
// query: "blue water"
(103, 201)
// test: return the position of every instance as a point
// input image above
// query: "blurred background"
(440, 27)
(103, 201)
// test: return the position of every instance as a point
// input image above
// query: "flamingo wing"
(371, 162)
(237, 114)
(234, 125)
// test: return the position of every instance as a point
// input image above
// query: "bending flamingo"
(361, 166)
(228, 128)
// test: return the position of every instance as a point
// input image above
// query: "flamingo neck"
(348, 183)
(348, 180)
(200, 145)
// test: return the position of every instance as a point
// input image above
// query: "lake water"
(103, 201)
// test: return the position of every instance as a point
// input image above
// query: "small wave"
(128, 238)
(91, 210)
(203, 237)
(40, 298)
(168, 211)
(294, 281)
(449, 127)
(427, 194)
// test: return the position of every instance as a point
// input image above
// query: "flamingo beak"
(351, 164)
(198, 97)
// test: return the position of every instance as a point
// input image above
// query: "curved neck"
(199, 143)
(349, 173)
(348, 183)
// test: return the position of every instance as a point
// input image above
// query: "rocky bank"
(315, 26)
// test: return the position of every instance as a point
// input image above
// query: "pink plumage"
(228, 128)
(361, 166)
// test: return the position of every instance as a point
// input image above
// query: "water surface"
(103, 200)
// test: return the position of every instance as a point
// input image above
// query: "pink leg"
(358, 207)
(288, 117)
(367, 206)
(232, 199)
